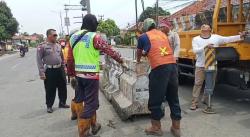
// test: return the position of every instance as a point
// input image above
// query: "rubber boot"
(194, 105)
(79, 109)
(175, 128)
(155, 128)
(73, 110)
(84, 127)
(96, 127)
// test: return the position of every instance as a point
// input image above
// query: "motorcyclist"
(22, 50)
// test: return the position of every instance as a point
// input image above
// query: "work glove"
(73, 83)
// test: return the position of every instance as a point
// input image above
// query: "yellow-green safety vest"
(87, 58)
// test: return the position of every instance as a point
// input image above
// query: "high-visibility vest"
(160, 52)
(65, 51)
(87, 58)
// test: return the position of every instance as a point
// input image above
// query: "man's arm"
(39, 59)
(70, 62)
(230, 39)
(196, 47)
(103, 46)
(143, 46)
(177, 45)
(139, 55)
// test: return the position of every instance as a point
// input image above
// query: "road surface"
(23, 110)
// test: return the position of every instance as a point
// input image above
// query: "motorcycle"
(22, 53)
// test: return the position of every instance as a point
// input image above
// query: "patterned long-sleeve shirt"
(99, 44)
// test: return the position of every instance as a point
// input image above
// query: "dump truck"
(233, 60)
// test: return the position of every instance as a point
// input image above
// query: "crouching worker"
(85, 49)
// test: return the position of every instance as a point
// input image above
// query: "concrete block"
(132, 97)
(126, 89)
(113, 71)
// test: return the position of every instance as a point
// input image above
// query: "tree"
(26, 34)
(127, 39)
(150, 12)
(8, 24)
(108, 27)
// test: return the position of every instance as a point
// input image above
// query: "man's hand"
(135, 61)
(210, 46)
(43, 77)
(243, 34)
(124, 64)
(73, 82)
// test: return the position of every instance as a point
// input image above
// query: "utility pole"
(101, 17)
(157, 11)
(86, 3)
(78, 18)
(136, 14)
(88, 7)
(61, 23)
(69, 7)
(67, 21)
(61, 20)
(143, 7)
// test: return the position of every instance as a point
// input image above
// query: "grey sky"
(39, 15)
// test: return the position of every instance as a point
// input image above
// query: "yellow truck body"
(239, 68)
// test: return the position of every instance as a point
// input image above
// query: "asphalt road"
(23, 110)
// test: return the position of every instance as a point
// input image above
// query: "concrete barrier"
(110, 79)
(127, 89)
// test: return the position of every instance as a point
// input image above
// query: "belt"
(54, 66)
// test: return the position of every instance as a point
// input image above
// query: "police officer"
(51, 70)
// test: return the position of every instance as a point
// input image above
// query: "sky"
(36, 16)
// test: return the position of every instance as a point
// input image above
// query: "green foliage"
(8, 24)
(26, 34)
(127, 39)
(108, 27)
(118, 40)
(150, 12)
(33, 44)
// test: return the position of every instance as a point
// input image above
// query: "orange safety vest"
(160, 52)
(65, 52)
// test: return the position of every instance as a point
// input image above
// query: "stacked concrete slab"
(127, 89)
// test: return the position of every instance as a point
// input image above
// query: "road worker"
(173, 37)
(85, 47)
(163, 81)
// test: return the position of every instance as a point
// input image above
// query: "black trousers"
(163, 85)
(55, 79)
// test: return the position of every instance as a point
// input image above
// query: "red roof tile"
(200, 6)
